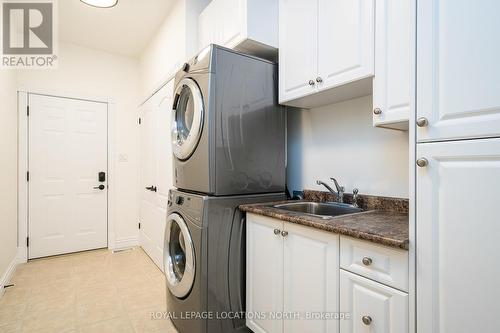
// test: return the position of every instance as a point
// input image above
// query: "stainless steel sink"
(320, 209)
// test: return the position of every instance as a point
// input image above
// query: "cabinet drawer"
(377, 262)
(373, 307)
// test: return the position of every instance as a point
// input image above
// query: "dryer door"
(178, 256)
(187, 118)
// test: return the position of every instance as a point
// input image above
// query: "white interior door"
(67, 151)
(156, 171)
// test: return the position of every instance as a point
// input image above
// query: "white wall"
(339, 141)
(175, 42)
(88, 72)
(8, 168)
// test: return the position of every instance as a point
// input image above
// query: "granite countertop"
(384, 221)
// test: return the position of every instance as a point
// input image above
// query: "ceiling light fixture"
(100, 3)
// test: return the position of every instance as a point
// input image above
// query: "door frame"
(23, 151)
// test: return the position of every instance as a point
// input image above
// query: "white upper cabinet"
(394, 80)
(298, 48)
(345, 41)
(458, 225)
(458, 71)
(250, 26)
(326, 51)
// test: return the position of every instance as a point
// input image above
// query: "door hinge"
(140, 121)
(28, 176)
(139, 225)
(27, 242)
(28, 110)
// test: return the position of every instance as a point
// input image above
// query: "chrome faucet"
(339, 194)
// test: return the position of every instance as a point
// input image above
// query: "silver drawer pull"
(277, 231)
(367, 320)
(367, 261)
(284, 233)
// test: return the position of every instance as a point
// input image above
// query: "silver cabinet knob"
(311, 82)
(377, 111)
(277, 231)
(367, 261)
(422, 122)
(284, 233)
(422, 162)
(367, 320)
(319, 79)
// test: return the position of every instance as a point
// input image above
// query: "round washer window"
(187, 118)
(179, 256)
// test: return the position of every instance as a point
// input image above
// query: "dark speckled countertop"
(384, 221)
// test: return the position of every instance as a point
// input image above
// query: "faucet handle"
(355, 196)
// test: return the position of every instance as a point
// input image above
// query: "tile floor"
(95, 291)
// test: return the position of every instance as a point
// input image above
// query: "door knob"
(377, 111)
(422, 122)
(422, 162)
(319, 79)
(284, 233)
(100, 187)
(277, 231)
(311, 82)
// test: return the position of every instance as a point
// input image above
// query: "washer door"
(187, 118)
(178, 256)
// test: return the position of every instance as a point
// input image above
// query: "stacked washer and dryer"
(228, 139)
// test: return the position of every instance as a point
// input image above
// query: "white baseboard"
(22, 255)
(8, 274)
(121, 243)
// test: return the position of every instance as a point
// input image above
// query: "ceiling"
(124, 29)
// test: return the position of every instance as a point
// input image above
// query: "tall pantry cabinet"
(458, 166)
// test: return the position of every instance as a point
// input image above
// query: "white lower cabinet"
(310, 287)
(293, 283)
(264, 273)
(292, 276)
(373, 307)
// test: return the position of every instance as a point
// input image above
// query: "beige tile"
(131, 282)
(12, 314)
(88, 294)
(14, 296)
(103, 309)
(143, 322)
(50, 320)
(143, 299)
(11, 328)
(116, 325)
(63, 291)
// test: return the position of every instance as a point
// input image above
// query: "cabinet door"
(298, 28)
(345, 41)
(458, 76)
(231, 17)
(264, 273)
(394, 79)
(311, 268)
(373, 307)
(457, 236)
